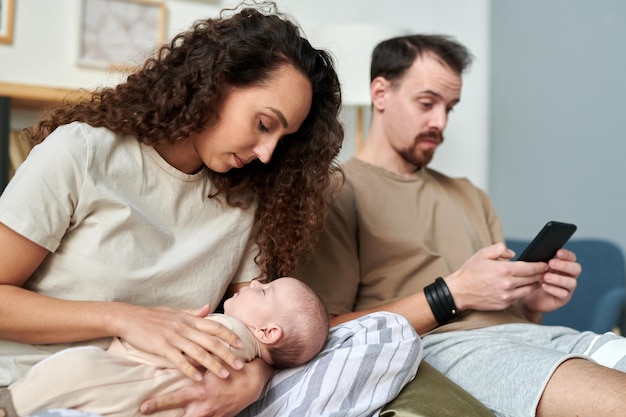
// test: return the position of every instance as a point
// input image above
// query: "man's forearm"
(414, 308)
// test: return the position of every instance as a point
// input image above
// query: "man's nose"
(439, 119)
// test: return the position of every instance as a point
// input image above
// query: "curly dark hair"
(179, 92)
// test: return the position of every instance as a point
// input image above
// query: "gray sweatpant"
(507, 367)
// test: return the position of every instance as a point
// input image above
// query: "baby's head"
(287, 318)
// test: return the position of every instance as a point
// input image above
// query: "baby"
(283, 322)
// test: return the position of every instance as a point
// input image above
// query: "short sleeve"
(40, 200)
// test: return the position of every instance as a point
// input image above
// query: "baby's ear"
(269, 334)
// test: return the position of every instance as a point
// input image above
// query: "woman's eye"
(262, 127)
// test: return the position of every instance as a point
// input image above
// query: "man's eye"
(426, 104)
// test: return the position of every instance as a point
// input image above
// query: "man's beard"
(421, 158)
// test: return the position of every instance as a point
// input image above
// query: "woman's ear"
(269, 334)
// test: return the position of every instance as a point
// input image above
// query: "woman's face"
(253, 120)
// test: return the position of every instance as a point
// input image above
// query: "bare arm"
(28, 317)
(32, 318)
(482, 283)
(413, 307)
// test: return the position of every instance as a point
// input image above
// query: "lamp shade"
(351, 45)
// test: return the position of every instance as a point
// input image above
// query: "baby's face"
(259, 304)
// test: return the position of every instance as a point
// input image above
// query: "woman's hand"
(183, 338)
(215, 397)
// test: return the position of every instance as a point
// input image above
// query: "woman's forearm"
(27, 317)
(260, 374)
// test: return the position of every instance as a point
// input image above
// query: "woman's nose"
(265, 148)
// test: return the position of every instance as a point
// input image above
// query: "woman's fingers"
(206, 343)
(212, 327)
(192, 343)
(180, 361)
(212, 353)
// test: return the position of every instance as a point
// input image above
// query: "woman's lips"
(239, 162)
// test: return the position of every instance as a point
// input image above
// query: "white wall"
(45, 48)
(45, 42)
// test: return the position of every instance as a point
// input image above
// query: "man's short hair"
(392, 57)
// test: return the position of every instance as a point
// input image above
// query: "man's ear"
(269, 334)
(378, 89)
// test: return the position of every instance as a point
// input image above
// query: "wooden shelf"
(37, 97)
(31, 97)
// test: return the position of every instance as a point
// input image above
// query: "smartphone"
(547, 242)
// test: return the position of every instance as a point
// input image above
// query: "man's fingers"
(566, 255)
(497, 251)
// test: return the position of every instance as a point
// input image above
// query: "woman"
(142, 199)
(207, 168)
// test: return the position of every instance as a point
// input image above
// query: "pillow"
(432, 394)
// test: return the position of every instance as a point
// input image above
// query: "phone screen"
(547, 242)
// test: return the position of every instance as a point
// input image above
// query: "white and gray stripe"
(364, 365)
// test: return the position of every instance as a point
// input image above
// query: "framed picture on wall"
(120, 34)
(7, 15)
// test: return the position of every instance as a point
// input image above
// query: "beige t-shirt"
(388, 236)
(121, 225)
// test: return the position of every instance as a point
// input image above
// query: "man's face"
(415, 109)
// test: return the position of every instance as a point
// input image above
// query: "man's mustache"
(430, 135)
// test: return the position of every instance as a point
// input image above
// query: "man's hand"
(486, 283)
(213, 396)
(556, 286)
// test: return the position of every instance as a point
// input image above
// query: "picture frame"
(120, 34)
(7, 15)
